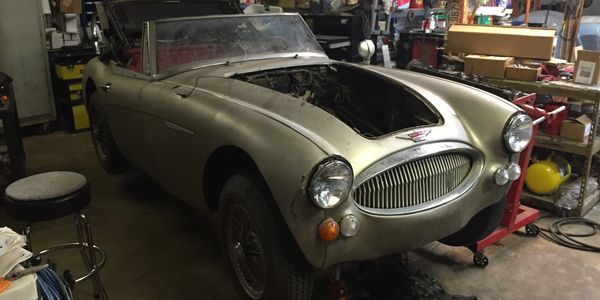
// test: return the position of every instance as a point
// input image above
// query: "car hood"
(459, 106)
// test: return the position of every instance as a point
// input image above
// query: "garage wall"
(593, 10)
(23, 57)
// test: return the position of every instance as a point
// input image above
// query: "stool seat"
(47, 196)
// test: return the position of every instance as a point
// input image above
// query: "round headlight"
(330, 183)
(518, 132)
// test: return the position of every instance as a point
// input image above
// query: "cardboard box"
(501, 41)
(587, 67)
(576, 129)
(522, 73)
(70, 6)
(487, 66)
(457, 12)
(56, 40)
(560, 99)
(287, 3)
(71, 23)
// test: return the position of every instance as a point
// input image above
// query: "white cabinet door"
(23, 57)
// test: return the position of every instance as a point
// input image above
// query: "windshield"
(226, 38)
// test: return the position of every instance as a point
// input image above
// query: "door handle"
(106, 87)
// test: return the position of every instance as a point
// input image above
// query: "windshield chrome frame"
(151, 34)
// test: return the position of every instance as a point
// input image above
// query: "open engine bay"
(373, 106)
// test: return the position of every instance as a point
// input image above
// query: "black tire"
(264, 261)
(109, 156)
(480, 226)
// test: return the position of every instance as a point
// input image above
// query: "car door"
(172, 147)
(121, 94)
(180, 137)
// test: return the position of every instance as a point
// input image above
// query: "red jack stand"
(516, 215)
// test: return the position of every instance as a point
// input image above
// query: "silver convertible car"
(308, 162)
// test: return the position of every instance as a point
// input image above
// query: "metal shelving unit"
(586, 149)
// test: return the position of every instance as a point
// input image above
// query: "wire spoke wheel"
(99, 136)
(107, 152)
(264, 262)
(246, 252)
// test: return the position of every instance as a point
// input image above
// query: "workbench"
(586, 149)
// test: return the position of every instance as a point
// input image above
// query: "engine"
(373, 106)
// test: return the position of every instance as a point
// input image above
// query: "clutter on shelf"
(569, 193)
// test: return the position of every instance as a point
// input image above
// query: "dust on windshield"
(230, 38)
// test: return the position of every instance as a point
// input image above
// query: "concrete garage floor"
(159, 248)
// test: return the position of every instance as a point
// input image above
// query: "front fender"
(95, 72)
(284, 157)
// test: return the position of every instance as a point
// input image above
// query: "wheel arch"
(223, 163)
(90, 88)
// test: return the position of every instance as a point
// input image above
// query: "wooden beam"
(570, 31)
(527, 8)
(516, 5)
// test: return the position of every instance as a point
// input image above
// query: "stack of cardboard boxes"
(504, 52)
(69, 31)
(492, 51)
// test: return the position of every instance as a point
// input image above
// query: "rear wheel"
(263, 259)
(480, 226)
(109, 156)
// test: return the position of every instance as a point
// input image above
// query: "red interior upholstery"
(169, 56)
(134, 55)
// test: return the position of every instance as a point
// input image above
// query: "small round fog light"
(501, 176)
(349, 226)
(514, 171)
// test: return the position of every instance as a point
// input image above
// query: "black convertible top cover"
(128, 15)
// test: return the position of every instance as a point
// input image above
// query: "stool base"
(93, 256)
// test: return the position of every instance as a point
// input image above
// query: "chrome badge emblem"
(416, 136)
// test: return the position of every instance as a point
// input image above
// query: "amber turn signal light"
(329, 230)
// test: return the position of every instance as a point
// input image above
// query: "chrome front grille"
(414, 183)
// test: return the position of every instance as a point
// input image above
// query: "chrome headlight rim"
(509, 125)
(318, 170)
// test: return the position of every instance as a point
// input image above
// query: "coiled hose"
(52, 287)
(556, 233)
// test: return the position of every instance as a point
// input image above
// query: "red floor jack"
(517, 215)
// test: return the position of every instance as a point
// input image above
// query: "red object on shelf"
(425, 50)
(552, 126)
(517, 215)
(401, 3)
(416, 4)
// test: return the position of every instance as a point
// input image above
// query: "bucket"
(552, 126)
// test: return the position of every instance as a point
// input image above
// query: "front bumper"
(382, 234)
(386, 235)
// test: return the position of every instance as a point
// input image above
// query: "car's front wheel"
(109, 156)
(262, 256)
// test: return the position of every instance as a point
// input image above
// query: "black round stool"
(53, 195)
